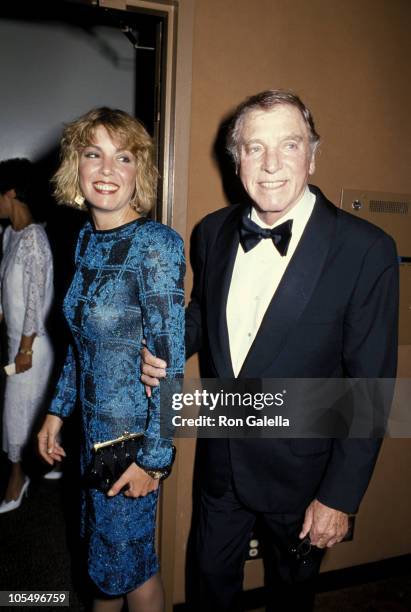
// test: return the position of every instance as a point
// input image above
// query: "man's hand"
(23, 363)
(138, 481)
(49, 449)
(324, 525)
(152, 369)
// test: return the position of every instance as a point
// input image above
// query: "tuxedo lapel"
(294, 290)
(218, 285)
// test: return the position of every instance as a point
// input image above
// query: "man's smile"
(272, 184)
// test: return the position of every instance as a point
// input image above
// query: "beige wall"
(349, 61)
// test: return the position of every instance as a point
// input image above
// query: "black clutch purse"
(111, 459)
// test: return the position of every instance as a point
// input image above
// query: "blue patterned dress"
(128, 285)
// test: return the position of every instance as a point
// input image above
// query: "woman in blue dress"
(128, 285)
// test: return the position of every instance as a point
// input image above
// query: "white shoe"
(54, 474)
(15, 503)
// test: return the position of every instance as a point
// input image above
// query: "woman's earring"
(133, 201)
(79, 200)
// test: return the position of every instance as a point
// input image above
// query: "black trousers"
(224, 530)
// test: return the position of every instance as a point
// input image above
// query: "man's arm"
(370, 351)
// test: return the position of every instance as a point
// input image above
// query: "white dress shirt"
(256, 276)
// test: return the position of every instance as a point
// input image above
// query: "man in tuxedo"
(286, 285)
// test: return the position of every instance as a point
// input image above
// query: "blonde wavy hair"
(125, 130)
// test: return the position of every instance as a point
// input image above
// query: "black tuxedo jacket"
(334, 314)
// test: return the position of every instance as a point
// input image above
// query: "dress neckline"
(118, 229)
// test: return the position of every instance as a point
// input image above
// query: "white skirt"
(25, 396)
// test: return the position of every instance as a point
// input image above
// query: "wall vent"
(389, 210)
(387, 206)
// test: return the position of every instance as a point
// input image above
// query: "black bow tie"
(251, 234)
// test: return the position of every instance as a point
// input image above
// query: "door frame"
(177, 100)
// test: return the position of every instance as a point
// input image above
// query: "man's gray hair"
(267, 100)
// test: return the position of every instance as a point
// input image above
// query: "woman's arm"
(64, 400)
(37, 273)
(65, 397)
(37, 264)
(161, 295)
(162, 304)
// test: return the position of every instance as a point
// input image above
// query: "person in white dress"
(26, 277)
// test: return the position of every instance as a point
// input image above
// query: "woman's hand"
(138, 481)
(49, 448)
(23, 362)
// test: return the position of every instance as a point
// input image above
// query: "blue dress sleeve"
(65, 397)
(161, 286)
